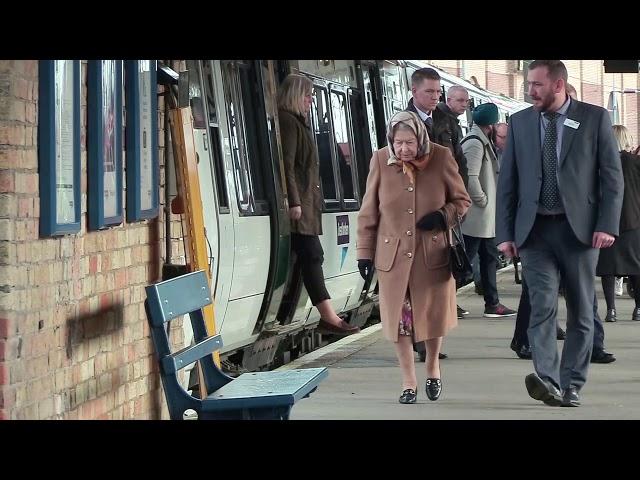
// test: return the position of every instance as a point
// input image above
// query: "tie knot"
(551, 116)
(429, 121)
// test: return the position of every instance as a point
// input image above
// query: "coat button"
(410, 211)
(409, 232)
(410, 189)
(386, 240)
(409, 254)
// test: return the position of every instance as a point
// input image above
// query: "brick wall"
(74, 340)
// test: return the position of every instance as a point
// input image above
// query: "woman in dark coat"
(305, 200)
(623, 258)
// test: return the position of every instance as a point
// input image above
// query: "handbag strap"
(451, 231)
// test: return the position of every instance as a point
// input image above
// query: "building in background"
(618, 92)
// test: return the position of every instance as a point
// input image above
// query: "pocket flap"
(386, 252)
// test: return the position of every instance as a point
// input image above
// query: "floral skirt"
(406, 319)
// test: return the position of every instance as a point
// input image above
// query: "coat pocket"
(436, 250)
(386, 251)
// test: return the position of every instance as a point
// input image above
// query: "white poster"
(64, 141)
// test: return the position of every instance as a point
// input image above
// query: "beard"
(547, 100)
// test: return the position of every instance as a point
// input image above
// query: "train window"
(241, 110)
(392, 89)
(214, 138)
(338, 71)
(322, 130)
(344, 145)
(366, 76)
(195, 96)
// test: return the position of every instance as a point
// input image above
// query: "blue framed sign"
(143, 188)
(104, 143)
(59, 146)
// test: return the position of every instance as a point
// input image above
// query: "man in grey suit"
(559, 200)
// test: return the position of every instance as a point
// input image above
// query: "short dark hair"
(422, 74)
(556, 68)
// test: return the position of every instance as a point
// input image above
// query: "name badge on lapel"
(572, 123)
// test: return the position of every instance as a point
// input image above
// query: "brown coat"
(405, 256)
(302, 173)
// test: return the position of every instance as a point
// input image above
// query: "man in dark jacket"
(425, 93)
(446, 126)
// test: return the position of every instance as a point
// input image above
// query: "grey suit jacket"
(589, 175)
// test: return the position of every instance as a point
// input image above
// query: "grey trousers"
(552, 250)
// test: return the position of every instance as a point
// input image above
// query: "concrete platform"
(482, 378)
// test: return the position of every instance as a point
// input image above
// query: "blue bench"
(256, 395)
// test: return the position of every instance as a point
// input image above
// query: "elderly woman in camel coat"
(414, 196)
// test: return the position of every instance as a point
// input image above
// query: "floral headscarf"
(416, 125)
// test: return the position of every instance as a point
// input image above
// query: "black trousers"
(524, 311)
(310, 257)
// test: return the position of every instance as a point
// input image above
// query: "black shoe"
(522, 351)
(498, 310)
(611, 315)
(561, 334)
(542, 390)
(479, 290)
(422, 356)
(636, 315)
(462, 312)
(434, 388)
(601, 356)
(571, 398)
(408, 396)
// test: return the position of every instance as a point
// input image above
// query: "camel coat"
(406, 257)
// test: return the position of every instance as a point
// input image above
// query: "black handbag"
(458, 259)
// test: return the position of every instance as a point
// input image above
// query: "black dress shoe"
(524, 352)
(408, 396)
(434, 388)
(542, 390)
(422, 356)
(561, 334)
(571, 398)
(611, 315)
(600, 356)
(636, 315)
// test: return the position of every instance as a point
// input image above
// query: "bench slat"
(187, 356)
(178, 296)
(266, 389)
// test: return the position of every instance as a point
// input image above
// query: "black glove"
(365, 266)
(432, 221)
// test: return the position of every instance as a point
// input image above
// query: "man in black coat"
(425, 93)
(446, 126)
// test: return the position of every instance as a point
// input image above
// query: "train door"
(205, 104)
(249, 180)
(332, 123)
